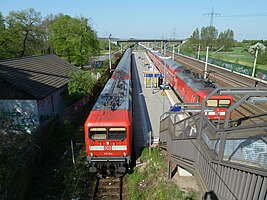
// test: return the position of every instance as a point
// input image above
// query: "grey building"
(32, 88)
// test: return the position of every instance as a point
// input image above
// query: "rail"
(108, 188)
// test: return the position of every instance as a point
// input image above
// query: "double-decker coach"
(190, 87)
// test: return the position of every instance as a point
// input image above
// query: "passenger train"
(191, 87)
(108, 128)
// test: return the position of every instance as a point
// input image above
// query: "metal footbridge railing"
(229, 160)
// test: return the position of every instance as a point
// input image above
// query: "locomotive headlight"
(124, 154)
(91, 154)
(107, 142)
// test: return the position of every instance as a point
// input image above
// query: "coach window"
(98, 133)
(212, 102)
(117, 133)
(198, 99)
(224, 103)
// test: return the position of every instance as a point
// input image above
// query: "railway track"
(108, 188)
(223, 77)
(249, 116)
(226, 78)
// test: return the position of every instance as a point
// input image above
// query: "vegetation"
(21, 34)
(59, 178)
(149, 181)
(26, 33)
(208, 36)
(46, 155)
(80, 84)
(223, 48)
(73, 39)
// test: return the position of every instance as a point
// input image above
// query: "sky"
(154, 19)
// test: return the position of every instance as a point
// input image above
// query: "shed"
(31, 88)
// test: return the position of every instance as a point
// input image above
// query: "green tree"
(194, 40)
(226, 39)
(80, 84)
(2, 36)
(73, 39)
(209, 36)
(25, 34)
(46, 22)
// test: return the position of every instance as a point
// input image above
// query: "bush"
(149, 181)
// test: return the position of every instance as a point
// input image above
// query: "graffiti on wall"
(19, 115)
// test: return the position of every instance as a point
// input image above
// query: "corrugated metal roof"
(37, 76)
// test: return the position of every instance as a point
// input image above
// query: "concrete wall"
(22, 115)
(52, 104)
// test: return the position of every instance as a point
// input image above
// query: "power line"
(248, 15)
(212, 14)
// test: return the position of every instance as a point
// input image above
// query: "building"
(32, 89)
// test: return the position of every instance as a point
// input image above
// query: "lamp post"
(164, 75)
(198, 51)
(258, 46)
(154, 63)
(109, 48)
(206, 63)
(255, 62)
(173, 52)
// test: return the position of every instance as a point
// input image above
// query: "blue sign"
(175, 108)
(148, 75)
(158, 75)
(151, 75)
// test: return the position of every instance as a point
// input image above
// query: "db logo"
(108, 148)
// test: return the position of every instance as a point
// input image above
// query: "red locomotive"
(190, 86)
(108, 128)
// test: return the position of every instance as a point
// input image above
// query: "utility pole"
(109, 48)
(212, 14)
(174, 33)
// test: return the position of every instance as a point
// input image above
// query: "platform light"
(109, 48)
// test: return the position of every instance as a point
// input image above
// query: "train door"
(198, 99)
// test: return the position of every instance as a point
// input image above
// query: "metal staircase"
(229, 160)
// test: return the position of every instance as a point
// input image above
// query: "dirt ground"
(187, 183)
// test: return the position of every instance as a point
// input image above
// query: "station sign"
(153, 75)
(175, 108)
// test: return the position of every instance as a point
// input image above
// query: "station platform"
(156, 101)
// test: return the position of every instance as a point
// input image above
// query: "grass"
(149, 181)
(237, 55)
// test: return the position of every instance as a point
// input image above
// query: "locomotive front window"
(117, 133)
(224, 103)
(212, 103)
(98, 133)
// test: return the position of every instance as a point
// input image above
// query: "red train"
(189, 86)
(108, 128)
